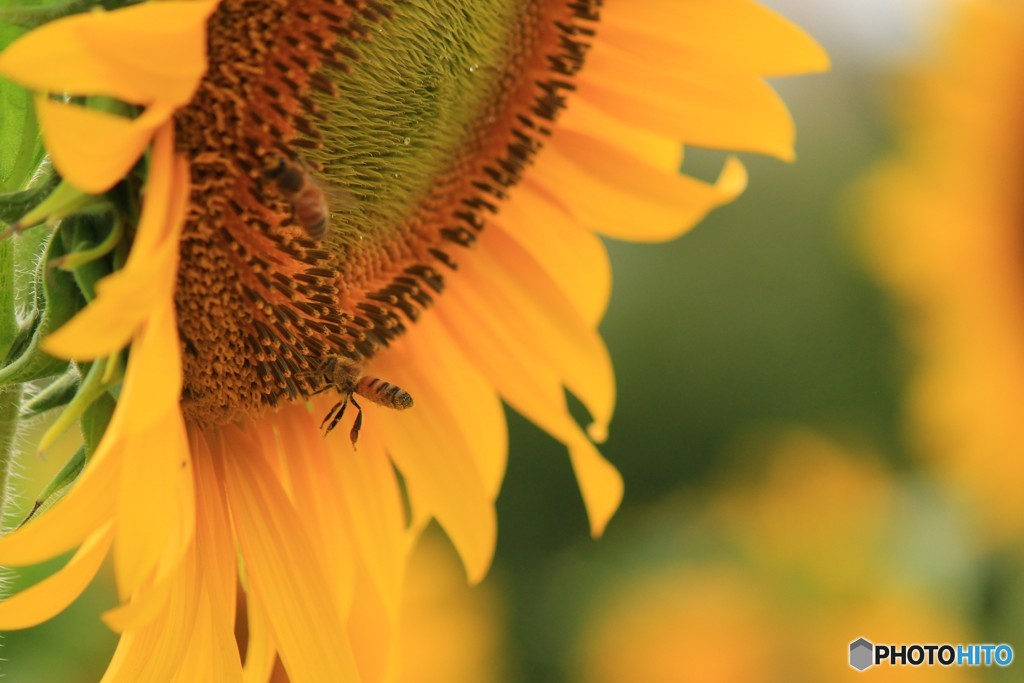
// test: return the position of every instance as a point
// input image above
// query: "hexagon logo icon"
(862, 654)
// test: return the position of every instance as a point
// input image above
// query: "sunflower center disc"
(401, 123)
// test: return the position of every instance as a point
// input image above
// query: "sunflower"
(944, 232)
(393, 202)
(753, 588)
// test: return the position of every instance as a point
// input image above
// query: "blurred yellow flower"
(773, 583)
(943, 228)
(544, 121)
(450, 632)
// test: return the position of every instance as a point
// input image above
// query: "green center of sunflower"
(343, 154)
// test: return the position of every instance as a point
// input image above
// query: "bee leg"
(357, 425)
(322, 390)
(340, 407)
(330, 413)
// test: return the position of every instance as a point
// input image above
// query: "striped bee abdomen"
(383, 393)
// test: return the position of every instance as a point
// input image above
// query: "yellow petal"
(157, 521)
(146, 606)
(740, 33)
(285, 575)
(156, 505)
(660, 151)
(124, 300)
(155, 651)
(168, 188)
(156, 47)
(571, 255)
(612, 192)
(156, 501)
(537, 394)
(277, 457)
(503, 279)
(457, 398)
(196, 662)
(314, 484)
(142, 54)
(520, 375)
(436, 461)
(127, 297)
(52, 595)
(373, 508)
(212, 653)
(374, 632)
(55, 59)
(600, 483)
(91, 149)
(260, 654)
(153, 379)
(125, 663)
(215, 544)
(703, 105)
(88, 506)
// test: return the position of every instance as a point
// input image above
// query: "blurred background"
(775, 507)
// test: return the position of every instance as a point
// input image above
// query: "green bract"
(56, 244)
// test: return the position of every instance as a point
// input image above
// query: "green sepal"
(94, 423)
(58, 393)
(14, 284)
(89, 250)
(98, 379)
(22, 340)
(65, 200)
(60, 485)
(21, 147)
(95, 420)
(14, 205)
(60, 299)
(84, 251)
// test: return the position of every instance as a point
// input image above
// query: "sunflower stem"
(8, 315)
(10, 404)
(10, 395)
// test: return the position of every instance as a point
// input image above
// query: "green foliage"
(30, 15)
(95, 416)
(57, 299)
(14, 205)
(20, 147)
(99, 378)
(87, 246)
(58, 393)
(95, 420)
(60, 485)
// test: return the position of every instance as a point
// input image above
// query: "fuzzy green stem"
(10, 403)
(10, 396)
(8, 317)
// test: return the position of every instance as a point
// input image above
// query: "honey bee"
(308, 199)
(348, 380)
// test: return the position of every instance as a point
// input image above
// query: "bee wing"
(348, 216)
(339, 198)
